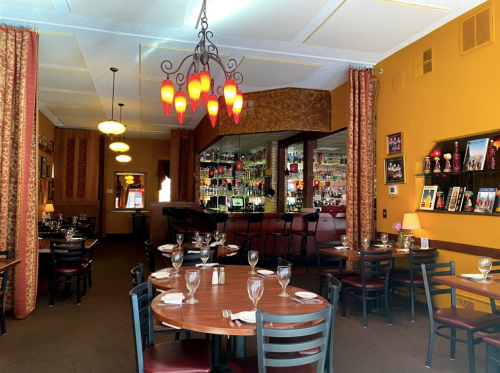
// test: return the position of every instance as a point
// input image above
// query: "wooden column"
(281, 179)
(309, 146)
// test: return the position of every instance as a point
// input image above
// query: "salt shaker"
(215, 277)
(222, 275)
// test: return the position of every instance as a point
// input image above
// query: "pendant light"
(123, 158)
(237, 106)
(111, 126)
(119, 146)
(213, 109)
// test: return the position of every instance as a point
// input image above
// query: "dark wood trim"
(101, 186)
(301, 137)
(309, 146)
(282, 192)
(459, 212)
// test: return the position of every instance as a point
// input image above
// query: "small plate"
(305, 295)
(247, 316)
(265, 272)
(474, 276)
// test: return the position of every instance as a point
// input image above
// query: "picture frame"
(38, 190)
(43, 168)
(48, 171)
(50, 191)
(394, 143)
(428, 198)
(39, 167)
(395, 170)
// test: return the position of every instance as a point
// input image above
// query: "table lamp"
(411, 222)
(49, 207)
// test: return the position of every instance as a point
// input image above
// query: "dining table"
(44, 244)
(489, 290)
(206, 315)
(222, 251)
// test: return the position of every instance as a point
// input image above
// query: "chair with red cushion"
(492, 351)
(287, 357)
(413, 279)
(309, 220)
(372, 285)
(67, 263)
(284, 233)
(495, 268)
(186, 355)
(3, 283)
(453, 318)
(181, 218)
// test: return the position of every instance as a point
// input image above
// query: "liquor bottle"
(492, 156)
(456, 159)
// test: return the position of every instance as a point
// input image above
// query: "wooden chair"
(289, 357)
(174, 356)
(329, 262)
(249, 234)
(304, 234)
(88, 261)
(3, 277)
(453, 318)
(284, 233)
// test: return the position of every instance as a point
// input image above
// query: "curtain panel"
(363, 87)
(18, 164)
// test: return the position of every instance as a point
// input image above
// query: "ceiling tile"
(40, 4)
(90, 100)
(60, 49)
(70, 80)
(263, 19)
(169, 13)
(162, 119)
(265, 72)
(155, 128)
(75, 112)
(373, 26)
(155, 135)
(152, 106)
(81, 123)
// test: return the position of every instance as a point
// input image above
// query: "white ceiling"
(278, 43)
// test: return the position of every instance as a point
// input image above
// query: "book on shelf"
(440, 198)
(454, 198)
(428, 197)
(475, 155)
(460, 199)
(448, 199)
(485, 200)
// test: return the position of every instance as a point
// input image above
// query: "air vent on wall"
(477, 30)
(424, 62)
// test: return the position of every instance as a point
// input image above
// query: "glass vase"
(400, 242)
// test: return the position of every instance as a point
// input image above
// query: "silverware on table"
(306, 301)
(226, 315)
(229, 313)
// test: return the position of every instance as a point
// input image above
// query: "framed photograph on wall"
(49, 174)
(394, 170)
(43, 168)
(394, 143)
(39, 166)
(50, 191)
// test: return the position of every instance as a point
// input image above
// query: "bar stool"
(181, 218)
(251, 219)
(216, 219)
(313, 219)
(287, 219)
(170, 233)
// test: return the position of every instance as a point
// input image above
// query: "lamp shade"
(213, 109)
(194, 90)
(206, 83)
(167, 95)
(180, 103)
(119, 146)
(410, 221)
(49, 207)
(111, 127)
(237, 106)
(230, 89)
(123, 158)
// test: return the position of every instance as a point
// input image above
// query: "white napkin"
(231, 254)
(193, 251)
(380, 245)
(235, 247)
(403, 250)
(340, 248)
(248, 316)
(173, 298)
(164, 273)
(214, 244)
(77, 238)
(167, 247)
(208, 265)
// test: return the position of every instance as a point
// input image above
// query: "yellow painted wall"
(340, 96)
(145, 153)
(459, 98)
(47, 129)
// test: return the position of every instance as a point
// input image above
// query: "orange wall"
(459, 98)
(340, 96)
(47, 129)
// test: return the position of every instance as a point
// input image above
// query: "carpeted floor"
(97, 335)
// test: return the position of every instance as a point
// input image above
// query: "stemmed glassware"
(253, 258)
(255, 287)
(343, 239)
(284, 273)
(199, 241)
(216, 236)
(195, 238)
(192, 283)
(180, 239)
(70, 232)
(366, 242)
(384, 238)
(208, 237)
(406, 241)
(204, 255)
(176, 258)
(222, 239)
(484, 265)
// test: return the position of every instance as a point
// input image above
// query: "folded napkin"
(173, 298)
(341, 248)
(208, 265)
(167, 247)
(231, 254)
(193, 251)
(213, 244)
(235, 247)
(77, 238)
(382, 245)
(164, 273)
(247, 316)
(403, 250)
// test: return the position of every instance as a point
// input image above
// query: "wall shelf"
(45, 149)
(459, 212)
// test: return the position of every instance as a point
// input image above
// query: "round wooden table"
(206, 315)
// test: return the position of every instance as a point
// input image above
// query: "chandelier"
(123, 158)
(120, 146)
(200, 84)
(111, 126)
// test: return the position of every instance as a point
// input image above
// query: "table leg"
(240, 344)
(216, 350)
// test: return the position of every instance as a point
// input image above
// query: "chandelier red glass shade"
(237, 106)
(200, 83)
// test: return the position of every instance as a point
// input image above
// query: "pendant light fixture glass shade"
(123, 158)
(129, 177)
(120, 146)
(111, 126)
(238, 104)
(167, 95)
(213, 109)
(194, 90)
(180, 103)
(230, 89)
(206, 83)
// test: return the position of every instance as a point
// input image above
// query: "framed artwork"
(38, 191)
(428, 197)
(39, 167)
(394, 170)
(43, 168)
(394, 143)
(50, 191)
(48, 171)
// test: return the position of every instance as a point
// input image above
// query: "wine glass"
(253, 258)
(176, 258)
(222, 239)
(484, 265)
(343, 239)
(199, 241)
(180, 239)
(204, 255)
(284, 273)
(384, 238)
(255, 287)
(366, 242)
(68, 234)
(216, 236)
(208, 237)
(196, 235)
(406, 241)
(192, 283)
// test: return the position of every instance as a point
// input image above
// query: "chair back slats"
(326, 259)
(375, 264)
(254, 219)
(312, 218)
(287, 219)
(419, 257)
(432, 288)
(67, 251)
(137, 274)
(142, 321)
(150, 256)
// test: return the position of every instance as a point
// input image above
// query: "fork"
(229, 313)
(227, 316)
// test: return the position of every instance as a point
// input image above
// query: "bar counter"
(329, 227)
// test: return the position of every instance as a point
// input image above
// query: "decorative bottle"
(492, 156)
(456, 159)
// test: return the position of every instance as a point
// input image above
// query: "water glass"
(208, 237)
(343, 239)
(384, 238)
(199, 241)
(204, 255)
(365, 242)
(222, 239)
(406, 241)
(192, 283)
(284, 273)
(176, 258)
(255, 288)
(180, 239)
(196, 235)
(68, 235)
(216, 236)
(484, 265)
(253, 258)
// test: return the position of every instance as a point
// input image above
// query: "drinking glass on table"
(484, 265)
(204, 255)
(406, 242)
(180, 239)
(384, 238)
(253, 258)
(366, 242)
(176, 258)
(68, 235)
(255, 288)
(192, 283)
(284, 273)
(199, 241)
(216, 236)
(343, 239)
(196, 234)
(222, 239)
(208, 237)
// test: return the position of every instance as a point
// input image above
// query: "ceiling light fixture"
(199, 81)
(123, 158)
(119, 146)
(111, 126)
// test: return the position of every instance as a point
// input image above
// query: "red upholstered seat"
(66, 269)
(248, 234)
(304, 232)
(493, 339)
(339, 275)
(405, 278)
(250, 365)
(183, 356)
(158, 327)
(370, 283)
(278, 233)
(466, 318)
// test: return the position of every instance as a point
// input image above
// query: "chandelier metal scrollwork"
(199, 82)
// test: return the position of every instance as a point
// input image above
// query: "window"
(165, 191)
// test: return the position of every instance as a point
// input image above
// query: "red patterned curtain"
(363, 87)
(18, 164)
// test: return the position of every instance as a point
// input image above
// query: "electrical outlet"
(384, 213)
